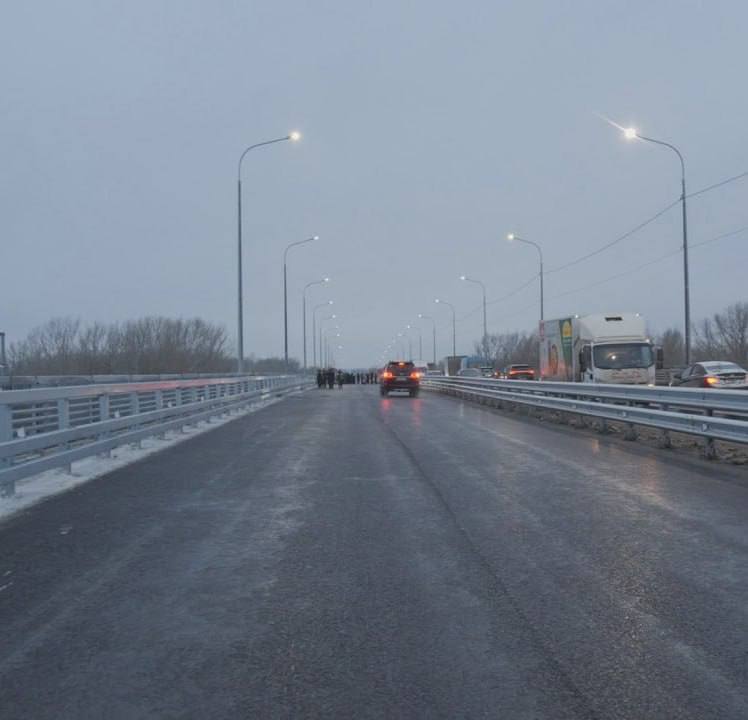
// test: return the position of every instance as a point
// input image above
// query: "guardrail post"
(8, 488)
(709, 451)
(63, 423)
(6, 423)
(665, 441)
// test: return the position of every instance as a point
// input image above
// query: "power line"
(620, 238)
(646, 222)
(651, 262)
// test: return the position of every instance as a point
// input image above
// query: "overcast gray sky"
(430, 129)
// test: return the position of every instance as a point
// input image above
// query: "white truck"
(597, 349)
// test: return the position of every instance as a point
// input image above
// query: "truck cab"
(598, 349)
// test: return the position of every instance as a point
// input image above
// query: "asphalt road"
(339, 555)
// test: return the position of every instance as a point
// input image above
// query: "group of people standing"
(328, 377)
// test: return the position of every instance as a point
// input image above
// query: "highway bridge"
(342, 555)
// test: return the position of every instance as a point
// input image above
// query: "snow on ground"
(37, 487)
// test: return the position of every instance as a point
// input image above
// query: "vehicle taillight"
(387, 375)
(710, 380)
(415, 375)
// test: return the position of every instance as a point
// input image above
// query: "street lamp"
(420, 341)
(293, 137)
(303, 306)
(511, 237)
(485, 324)
(285, 293)
(454, 325)
(631, 134)
(314, 328)
(323, 340)
(433, 324)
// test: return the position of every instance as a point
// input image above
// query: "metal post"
(240, 290)
(434, 340)
(686, 284)
(454, 334)
(686, 290)
(314, 337)
(240, 315)
(303, 323)
(285, 315)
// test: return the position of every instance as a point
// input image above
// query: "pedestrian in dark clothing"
(320, 379)
(330, 378)
(340, 379)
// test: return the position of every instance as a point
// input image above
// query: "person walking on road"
(320, 379)
(340, 379)
(331, 378)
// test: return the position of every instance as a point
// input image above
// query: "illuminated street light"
(314, 328)
(485, 325)
(632, 134)
(454, 325)
(285, 294)
(294, 136)
(511, 237)
(303, 306)
(433, 327)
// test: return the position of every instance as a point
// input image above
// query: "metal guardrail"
(711, 414)
(46, 428)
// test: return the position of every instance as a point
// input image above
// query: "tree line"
(724, 336)
(145, 346)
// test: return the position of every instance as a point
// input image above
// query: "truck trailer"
(597, 349)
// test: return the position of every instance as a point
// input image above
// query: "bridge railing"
(46, 428)
(710, 414)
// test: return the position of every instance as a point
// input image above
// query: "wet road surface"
(340, 555)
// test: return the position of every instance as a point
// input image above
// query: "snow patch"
(32, 489)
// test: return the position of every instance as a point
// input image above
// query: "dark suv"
(400, 375)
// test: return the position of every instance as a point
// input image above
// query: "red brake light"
(711, 380)
(415, 375)
(387, 375)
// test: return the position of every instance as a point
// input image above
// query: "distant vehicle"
(486, 371)
(597, 349)
(716, 374)
(400, 375)
(422, 370)
(469, 372)
(519, 372)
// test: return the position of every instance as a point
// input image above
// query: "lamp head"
(510, 237)
(630, 133)
(294, 136)
(325, 279)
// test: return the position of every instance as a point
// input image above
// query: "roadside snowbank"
(37, 487)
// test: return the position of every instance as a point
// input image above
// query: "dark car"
(519, 372)
(400, 375)
(716, 374)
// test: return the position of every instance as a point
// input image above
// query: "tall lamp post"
(433, 326)
(285, 293)
(322, 353)
(420, 340)
(454, 324)
(314, 328)
(512, 237)
(294, 136)
(303, 307)
(632, 134)
(485, 324)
